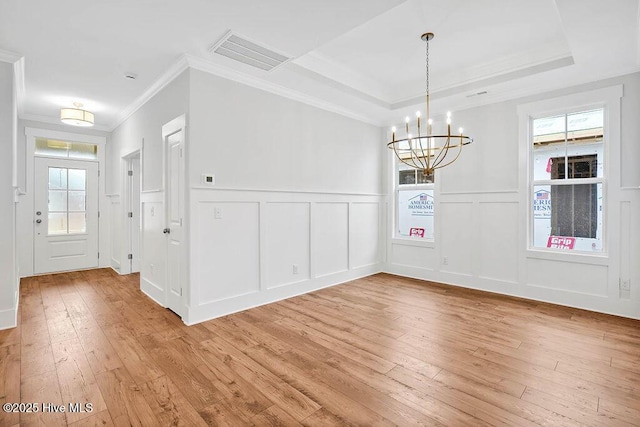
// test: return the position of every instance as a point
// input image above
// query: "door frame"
(41, 261)
(25, 216)
(172, 127)
(127, 201)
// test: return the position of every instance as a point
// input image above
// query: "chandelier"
(425, 150)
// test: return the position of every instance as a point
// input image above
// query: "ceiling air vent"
(484, 92)
(240, 49)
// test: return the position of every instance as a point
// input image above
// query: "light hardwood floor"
(382, 350)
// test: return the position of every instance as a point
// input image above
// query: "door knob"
(166, 231)
(38, 221)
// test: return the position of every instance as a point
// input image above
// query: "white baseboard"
(212, 310)
(595, 303)
(152, 290)
(8, 318)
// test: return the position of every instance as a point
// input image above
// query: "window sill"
(574, 257)
(413, 242)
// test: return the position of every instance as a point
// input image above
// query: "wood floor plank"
(100, 419)
(77, 382)
(330, 398)
(42, 389)
(583, 417)
(169, 405)
(132, 354)
(381, 350)
(9, 381)
(273, 416)
(283, 394)
(125, 399)
(184, 373)
(377, 400)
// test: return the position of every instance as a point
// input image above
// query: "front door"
(66, 215)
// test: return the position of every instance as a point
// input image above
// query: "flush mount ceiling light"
(428, 151)
(76, 116)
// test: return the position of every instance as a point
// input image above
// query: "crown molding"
(237, 76)
(8, 56)
(329, 69)
(167, 77)
(56, 121)
(543, 88)
(489, 79)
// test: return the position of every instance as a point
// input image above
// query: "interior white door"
(66, 215)
(174, 215)
(133, 216)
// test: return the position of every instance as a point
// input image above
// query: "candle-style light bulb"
(406, 119)
(460, 130)
(417, 113)
(448, 114)
(393, 134)
(448, 120)
(430, 122)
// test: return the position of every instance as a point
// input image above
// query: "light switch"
(217, 213)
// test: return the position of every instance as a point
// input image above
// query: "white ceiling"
(363, 58)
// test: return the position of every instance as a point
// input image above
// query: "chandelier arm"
(424, 166)
(440, 157)
(400, 158)
(453, 160)
(414, 156)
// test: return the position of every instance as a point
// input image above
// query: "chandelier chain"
(427, 68)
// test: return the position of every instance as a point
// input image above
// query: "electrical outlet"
(217, 213)
(295, 268)
(445, 260)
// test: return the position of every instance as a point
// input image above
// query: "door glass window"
(71, 150)
(67, 201)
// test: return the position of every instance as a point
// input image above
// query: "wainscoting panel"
(331, 238)
(154, 249)
(251, 247)
(457, 234)
(228, 248)
(287, 243)
(584, 279)
(498, 254)
(414, 256)
(364, 237)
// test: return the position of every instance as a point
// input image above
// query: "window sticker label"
(561, 242)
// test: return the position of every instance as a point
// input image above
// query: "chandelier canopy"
(425, 150)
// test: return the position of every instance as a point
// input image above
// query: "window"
(415, 204)
(73, 150)
(567, 181)
(67, 201)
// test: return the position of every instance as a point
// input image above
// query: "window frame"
(533, 183)
(397, 187)
(609, 100)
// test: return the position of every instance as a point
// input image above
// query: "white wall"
(8, 279)
(481, 223)
(296, 204)
(143, 131)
